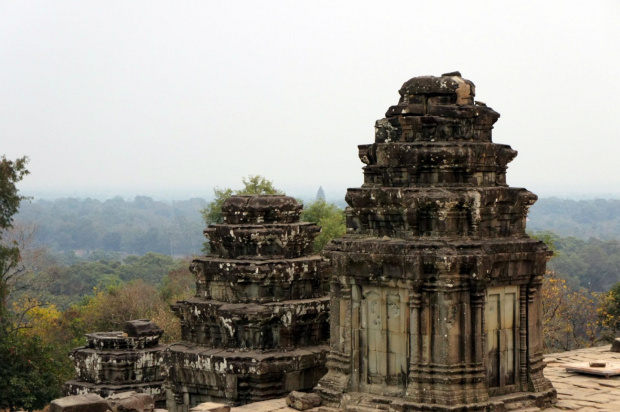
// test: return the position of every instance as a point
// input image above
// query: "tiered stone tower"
(116, 362)
(435, 290)
(258, 327)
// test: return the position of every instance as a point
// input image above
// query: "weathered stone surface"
(89, 402)
(435, 290)
(272, 325)
(436, 165)
(258, 326)
(128, 366)
(261, 209)
(154, 389)
(266, 241)
(211, 407)
(302, 401)
(272, 405)
(584, 392)
(138, 334)
(131, 402)
(116, 362)
(142, 328)
(260, 281)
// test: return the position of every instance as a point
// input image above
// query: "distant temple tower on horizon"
(320, 194)
(436, 288)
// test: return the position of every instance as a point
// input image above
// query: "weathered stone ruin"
(258, 326)
(435, 293)
(116, 362)
(119, 402)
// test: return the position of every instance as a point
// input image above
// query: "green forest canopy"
(586, 231)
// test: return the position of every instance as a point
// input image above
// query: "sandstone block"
(141, 327)
(131, 402)
(89, 402)
(211, 407)
(302, 401)
(615, 346)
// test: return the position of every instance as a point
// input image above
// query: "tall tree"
(327, 215)
(252, 185)
(11, 172)
(609, 312)
(29, 377)
(571, 315)
(28, 372)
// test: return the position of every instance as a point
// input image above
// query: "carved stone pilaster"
(523, 332)
(477, 303)
(536, 380)
(415, 359)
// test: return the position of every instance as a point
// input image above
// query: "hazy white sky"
(173, 98)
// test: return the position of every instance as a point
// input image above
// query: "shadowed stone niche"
(435, 288)
(258, 326)
(116, 362)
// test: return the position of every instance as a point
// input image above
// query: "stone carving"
(435, 288)
(116, 362)
(258, 326)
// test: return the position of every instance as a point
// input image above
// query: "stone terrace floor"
(576, 392)
(579, 392)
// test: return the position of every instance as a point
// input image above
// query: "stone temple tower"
(435, 290)
(258, 326)
(121, 361)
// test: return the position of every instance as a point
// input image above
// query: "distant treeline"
(115, 225)
(175, 228)
(579, 218)
(66, 280)
(593, 264)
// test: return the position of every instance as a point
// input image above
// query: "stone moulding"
(245, 377)
(413, 213)
(260, 281)
(277, 240)
(435, 288)
(245, 326)
(435, 164)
